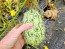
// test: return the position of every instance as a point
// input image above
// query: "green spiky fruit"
(36, 34)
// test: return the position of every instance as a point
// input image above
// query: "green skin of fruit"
(36, 34)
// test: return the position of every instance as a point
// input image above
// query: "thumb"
(10, 39)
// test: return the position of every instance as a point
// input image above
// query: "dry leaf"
(52, 12)
(28, 3)
(33, 3)
(2, 1)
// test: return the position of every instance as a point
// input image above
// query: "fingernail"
(30, 24)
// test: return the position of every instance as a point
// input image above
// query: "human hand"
(14, 39)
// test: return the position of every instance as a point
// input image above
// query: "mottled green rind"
(36, 34)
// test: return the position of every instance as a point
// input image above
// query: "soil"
(55, 32)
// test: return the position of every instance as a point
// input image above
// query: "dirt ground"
(55, 33)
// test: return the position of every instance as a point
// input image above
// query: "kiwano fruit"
(36, 34)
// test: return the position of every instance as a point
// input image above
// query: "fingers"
(10, 39)
(24, 27)
(19, 44)
(17, 30)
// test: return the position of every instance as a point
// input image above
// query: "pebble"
(64, 29)
(9, 17)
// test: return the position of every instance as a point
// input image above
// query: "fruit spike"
(36, 34)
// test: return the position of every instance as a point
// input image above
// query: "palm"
(14, 39)
(19, 43)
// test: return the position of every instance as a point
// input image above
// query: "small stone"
(59, 22)
(56, 29)
(60, 8)
(9, 17)
(64, 29)
(48, 42)
(64, 42)
(63, 8)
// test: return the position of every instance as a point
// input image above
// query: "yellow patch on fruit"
(12, 12)
(46, 47)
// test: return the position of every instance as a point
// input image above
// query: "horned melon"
(36, 34)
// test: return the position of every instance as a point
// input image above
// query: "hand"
(14, 39)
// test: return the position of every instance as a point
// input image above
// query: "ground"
(55, 33)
